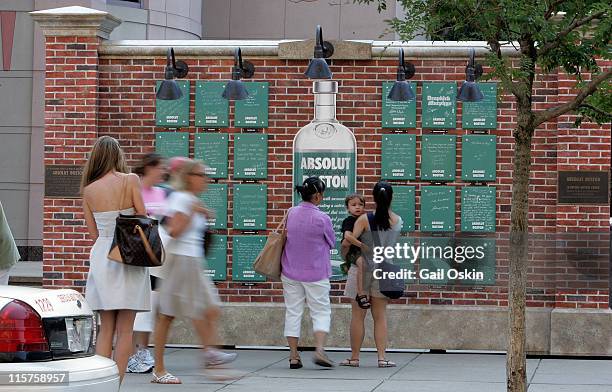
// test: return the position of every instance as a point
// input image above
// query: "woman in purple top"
(306, 270)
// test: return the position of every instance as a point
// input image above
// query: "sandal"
(350, 362)
(295, 363)
(363, 301)
(384, 363)
(165, 379)
(321, 359)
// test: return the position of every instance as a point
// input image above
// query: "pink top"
(154, 200)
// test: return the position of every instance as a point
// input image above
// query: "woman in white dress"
(115, 290)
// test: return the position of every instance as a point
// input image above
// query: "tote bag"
(268, 261)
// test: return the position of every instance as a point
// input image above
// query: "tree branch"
(551, 8)
(596, 110)
(545, 115)
(560, 35)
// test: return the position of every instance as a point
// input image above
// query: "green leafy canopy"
(573, 35)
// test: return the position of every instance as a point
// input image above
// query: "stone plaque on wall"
(583, 187)
(215, 198)
(172, 144)
(478, 209)
(438, 157)
(250, 156)
(478, 157)
(253, 111)
(439, 105)
(215, 264)
(212, 110)
(245, 250)
(211, 148)
(398, 114)
(250, 206)
(483, 114)
(438, 208)
(398, 157)
(63, 181)
(173, 113)
(404, 205)
(480, 268)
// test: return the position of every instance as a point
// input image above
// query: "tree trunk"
(516, 363)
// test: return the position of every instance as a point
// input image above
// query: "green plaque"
(212, 110)
(438, 157)
(404, 205)
(215, 264)
(478, 157)
(174, 113)
(436, 258)
(215, 198)
(250, 156)
(407, 263)
(398, 114)
(398, 157)
(250, 206)
(479, 268)
(172, 144)
(483, 114)
(478, 209)
(253, 111)
(437, 208)
(211, 148)
(245, 250)
(439, 105)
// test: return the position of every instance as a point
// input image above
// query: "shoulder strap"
(373, 226)
(283, 224)
(123, 187)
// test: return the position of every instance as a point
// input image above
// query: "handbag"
(392, 288)
(136, 241)
(268, 261)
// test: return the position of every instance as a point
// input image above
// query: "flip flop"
(383, 363)
(321, 359)
(350, 362)
(362, 301)
(165, 379)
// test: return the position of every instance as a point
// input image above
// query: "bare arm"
(178, 224)
(351, 239)
(361, 226)
(89, 220)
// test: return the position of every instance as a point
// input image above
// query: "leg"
(207, 326)
(104, 343)
(357, 328)
(379, 314)
(161, 336)
(123, 348)
(317, 297)
(359, 263)
(295, 295)
(141, 341)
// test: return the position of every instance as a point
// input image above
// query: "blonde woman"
(115, 290)
(185, 291)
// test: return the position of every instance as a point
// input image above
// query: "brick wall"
(125, 89)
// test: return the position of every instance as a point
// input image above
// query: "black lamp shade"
(470, 92)
(235, 89)
(318, 69)
(401, 91)
(169, 90)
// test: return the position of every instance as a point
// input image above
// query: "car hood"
(48, 303)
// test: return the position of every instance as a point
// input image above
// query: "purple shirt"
(310, 236)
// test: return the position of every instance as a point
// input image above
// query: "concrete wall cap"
(76, 21)
(273, 48)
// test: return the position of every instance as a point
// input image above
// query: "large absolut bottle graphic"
(327, 149)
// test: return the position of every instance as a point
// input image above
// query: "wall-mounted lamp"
(169, 89)
(235, 89)
(318, 68)
(401, 90)
(469, 91)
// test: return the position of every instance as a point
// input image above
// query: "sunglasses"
(198, 174)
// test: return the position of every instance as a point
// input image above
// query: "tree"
(549, 34)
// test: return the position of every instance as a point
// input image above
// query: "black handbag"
(136, 241)
(392, 288)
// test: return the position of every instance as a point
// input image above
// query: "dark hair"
(151, 159)
(354, 196)
(310, 187)
(383, 195)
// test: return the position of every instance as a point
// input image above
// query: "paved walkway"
(268, 371)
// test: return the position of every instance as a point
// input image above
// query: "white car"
(47, 343)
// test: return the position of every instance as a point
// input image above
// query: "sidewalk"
(268, 371)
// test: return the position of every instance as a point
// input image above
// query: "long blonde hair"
(105, 156)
